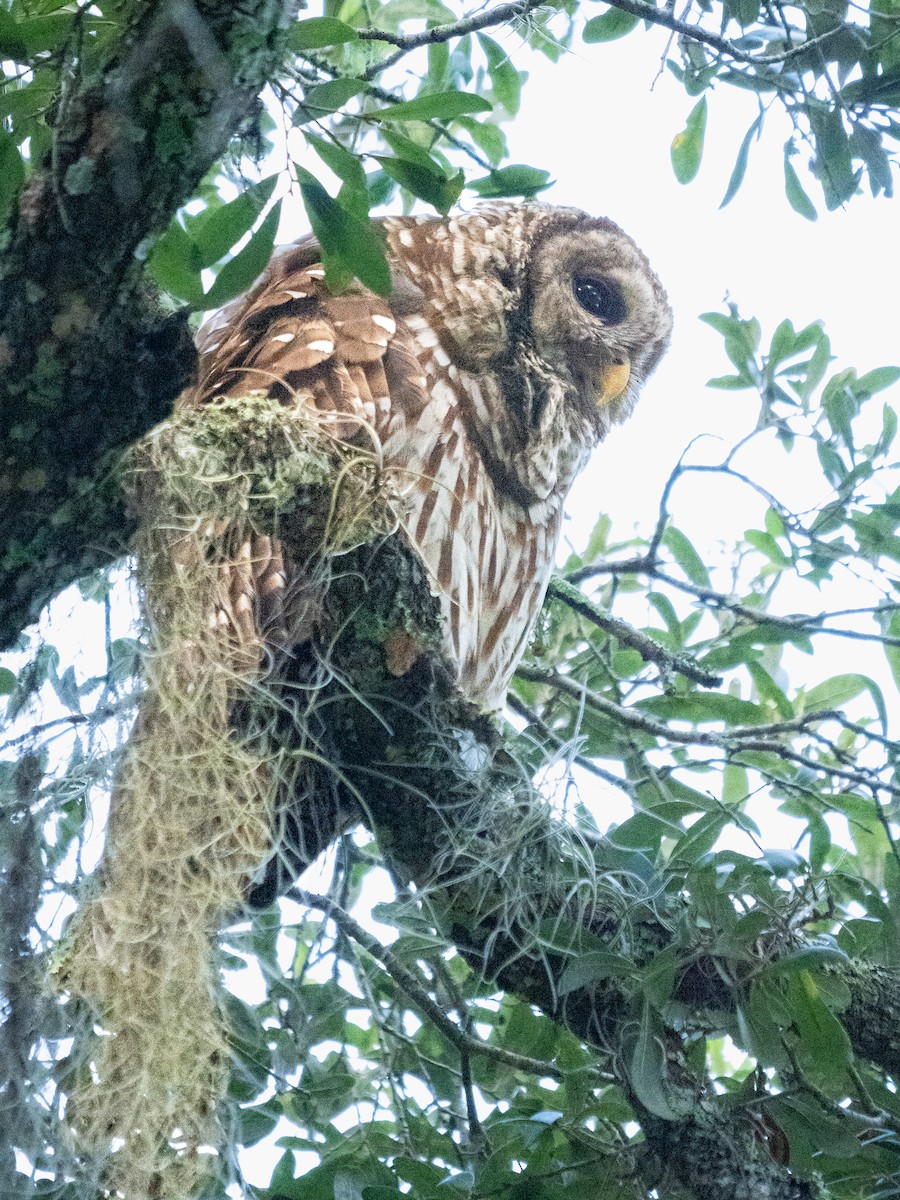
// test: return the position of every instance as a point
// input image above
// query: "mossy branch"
(521, 895)
(458, 816)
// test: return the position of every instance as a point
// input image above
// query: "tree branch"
(405, 42)
(667, 19)
(418, 992)
(805, 622)
(627, 635)
(502, 13)
(734, 739)
(445, 33)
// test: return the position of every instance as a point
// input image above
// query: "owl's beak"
(612, 381)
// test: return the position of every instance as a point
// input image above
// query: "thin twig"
(804, 623)
(519, 706)
(405, 979)
(627, 635)
(736, 740)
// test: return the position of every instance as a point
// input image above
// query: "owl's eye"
(601, 298)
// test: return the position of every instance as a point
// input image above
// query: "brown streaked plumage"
(479, 377)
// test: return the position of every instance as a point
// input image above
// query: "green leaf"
(255, 1123)
(342, 162)
(759, 1032)
(41, 34)
(766, 544)
(316, 32)
(824, 1046)
(746, 11)
(731, 383)
(438, 68)
(12, 172)
(612, 24)
(666, 610)
(487, 136)
(797, 198)
(66, 688)
(593, 966)
(704, 706)
(769, 690)
(283, 1182)
(514, 180)
(440, 106)
(835, 692)
(806, 958)
(659, 975)
(175, 264)
(774, 523)
(216, 230)
(411, 151)
(7, 682)
(722, 323)
(807, 1123)
(735, 785)
(888, 430)
(328, 97)
(890, 623)
(430, 185)
(740, 166)
(783, 864)
(247, 265)
(701, 837)
(877, 380)
(12, 44)
(687, 146)
(833, 162)
(647, 1066)
(686, 556)
(506, 81)
(31, 100)
(783, 344)
(124, 658)
(348, 243)
(392, 14)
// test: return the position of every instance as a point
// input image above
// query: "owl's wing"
(345, 356)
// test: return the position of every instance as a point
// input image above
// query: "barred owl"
(515, 336)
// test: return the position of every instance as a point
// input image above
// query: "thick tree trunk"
(87, 362)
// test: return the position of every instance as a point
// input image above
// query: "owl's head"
(561, 309)
(595, 310)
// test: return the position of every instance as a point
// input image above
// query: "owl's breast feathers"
(401, 377)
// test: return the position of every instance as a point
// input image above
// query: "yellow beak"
(612, 382)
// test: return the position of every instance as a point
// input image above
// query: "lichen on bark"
(88, 362)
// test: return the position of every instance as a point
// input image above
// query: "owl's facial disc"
(612, 380)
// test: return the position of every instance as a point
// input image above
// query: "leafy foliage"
(375, 1070)
(833, 67)
(689, 691)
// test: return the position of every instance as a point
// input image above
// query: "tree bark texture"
(87, 361)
